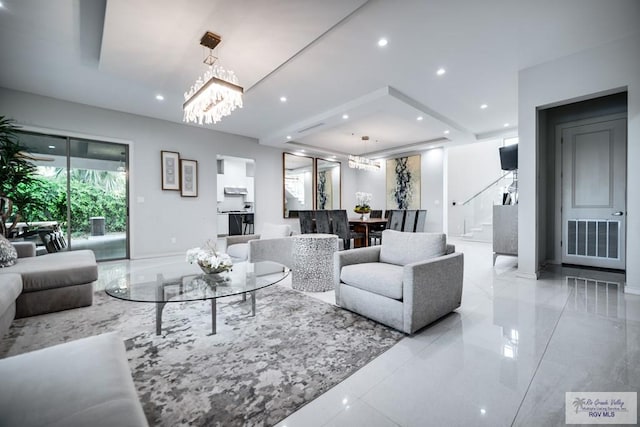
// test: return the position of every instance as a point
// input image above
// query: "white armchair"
(409, 281)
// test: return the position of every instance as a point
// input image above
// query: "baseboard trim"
(524, 275)
(633, 290)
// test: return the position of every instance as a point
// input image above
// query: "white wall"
(577, 77)
(431, 187)
(470, 168)
(163, 214)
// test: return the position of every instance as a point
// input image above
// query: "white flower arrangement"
(363, 200)
(209, 259)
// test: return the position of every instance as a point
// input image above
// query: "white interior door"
(594, 194)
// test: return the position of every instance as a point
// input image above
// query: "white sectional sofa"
(80, 383)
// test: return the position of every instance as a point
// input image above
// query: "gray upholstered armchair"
(409, 281)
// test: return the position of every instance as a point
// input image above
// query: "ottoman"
(313, 262)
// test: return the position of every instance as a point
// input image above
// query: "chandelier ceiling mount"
(214, 95)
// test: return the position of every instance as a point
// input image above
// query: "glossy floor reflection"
(506, 357)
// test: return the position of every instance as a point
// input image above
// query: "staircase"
(478, 209)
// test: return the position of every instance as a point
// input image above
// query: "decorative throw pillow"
(8, 254)
(275, 231)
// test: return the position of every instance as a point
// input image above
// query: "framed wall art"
(403, 183)
(188, 178)
(170, 170)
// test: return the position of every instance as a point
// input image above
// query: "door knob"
(619, 213)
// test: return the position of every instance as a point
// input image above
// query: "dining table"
(365, 226)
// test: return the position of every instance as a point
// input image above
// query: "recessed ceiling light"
(441, 71)
(483, 106)
(506, 125)
(283, 99)
(1, 5)
(446, 132)
(382, 42)
(419, 118)
(51, 146)
(483, 411)
(288, 136)
(333, 157)
(345, 116)
(302, 151)
(160, 97)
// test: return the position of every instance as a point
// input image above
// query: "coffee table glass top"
(186, 282)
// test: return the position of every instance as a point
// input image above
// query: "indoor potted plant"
(17, 171)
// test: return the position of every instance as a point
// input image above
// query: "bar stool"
(247, 224)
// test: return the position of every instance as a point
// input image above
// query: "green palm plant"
(16, 171)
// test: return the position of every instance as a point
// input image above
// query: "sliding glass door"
(83, 192)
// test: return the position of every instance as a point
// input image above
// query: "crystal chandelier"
(214, 95)
(364, 163)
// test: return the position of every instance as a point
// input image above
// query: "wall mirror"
(298, 184)
(328, 184)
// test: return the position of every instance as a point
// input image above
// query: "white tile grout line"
(546, 347)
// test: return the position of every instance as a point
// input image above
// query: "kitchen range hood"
(235, 191)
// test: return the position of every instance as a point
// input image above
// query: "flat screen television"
(509, 157)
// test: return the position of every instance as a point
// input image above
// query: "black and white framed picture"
(188, 178)
(170, 170)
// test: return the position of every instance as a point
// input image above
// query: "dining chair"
(306, 222)
(421, 221)
(410, 217)
(376, 213)
(341, 228)
(375, 233)
(323, 224)
(386, 213)
(396, 219)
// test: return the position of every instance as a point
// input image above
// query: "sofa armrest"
(353, 256)
(432, 289)
(276, 250)
(25, 249)
(244, 238)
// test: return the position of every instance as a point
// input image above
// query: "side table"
(313, 262)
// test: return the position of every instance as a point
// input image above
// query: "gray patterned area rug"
(254, 371)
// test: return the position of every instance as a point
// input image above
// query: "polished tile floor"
(506, 357)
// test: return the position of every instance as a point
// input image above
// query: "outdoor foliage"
(87, 200)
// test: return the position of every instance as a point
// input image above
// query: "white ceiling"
(322, 55)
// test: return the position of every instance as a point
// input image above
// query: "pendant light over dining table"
(364, 163)
(214, 95)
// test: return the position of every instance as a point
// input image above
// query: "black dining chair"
(410, 221)
(396, 219)
(375, 233)
(341, 228)
(386, 213)
(421, 221)
(306, 222)
(376, 213)
(323, 224)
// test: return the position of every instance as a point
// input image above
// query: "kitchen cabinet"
(223, 224)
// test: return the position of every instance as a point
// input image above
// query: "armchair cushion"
(376, 277)
(405, 248)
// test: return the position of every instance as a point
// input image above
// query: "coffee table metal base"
(160, 307)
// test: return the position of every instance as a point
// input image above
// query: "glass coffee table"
(185, 282)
